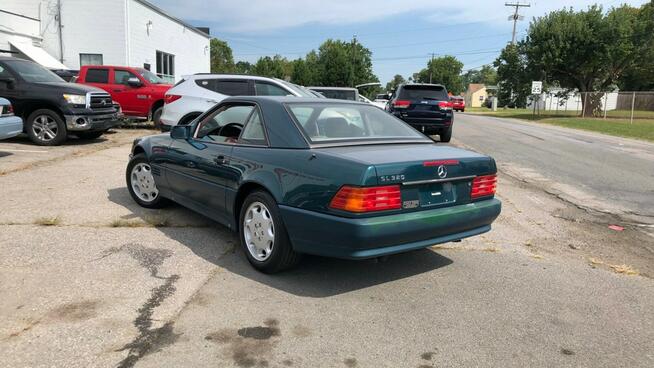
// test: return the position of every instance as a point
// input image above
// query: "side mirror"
(180, 132)
(134, 82)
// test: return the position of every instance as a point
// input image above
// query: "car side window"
(231, 87)
(97, 76)
(268, 89)
(122, 76)
(224, 125)
(253, 133)
(4, 73)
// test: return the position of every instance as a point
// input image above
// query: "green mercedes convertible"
(316, 176)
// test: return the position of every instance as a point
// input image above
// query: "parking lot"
(88, 278)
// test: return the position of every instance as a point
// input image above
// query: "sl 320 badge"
(388, 178)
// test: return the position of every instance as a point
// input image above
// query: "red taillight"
(171, 98)
(367, 199)
(401, 104)
(445, 105)
(483, 186)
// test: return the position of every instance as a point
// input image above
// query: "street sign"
(536, 87)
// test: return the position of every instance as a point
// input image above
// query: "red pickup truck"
(139, 92)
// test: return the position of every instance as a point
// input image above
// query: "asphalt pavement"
(89, 279)
(609, 174)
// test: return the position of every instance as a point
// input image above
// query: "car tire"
(46, 128)
(156, 117)
(446, 135)
(264, 224)
(89, 135)
(141, 184)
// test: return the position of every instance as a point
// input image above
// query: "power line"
(516, 17)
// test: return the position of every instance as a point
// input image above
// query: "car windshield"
(33, 72)
(339, 94)
(151, 77)
(423, 92)
(326, 122)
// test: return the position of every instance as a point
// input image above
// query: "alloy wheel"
(259, 231)
(143, 183)
(45, 128)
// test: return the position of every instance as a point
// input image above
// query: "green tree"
(641, 76)
(305, 71)
(588, 50)
(243, 67)
(445, 70)
(274, 67)
(486, 75)
(221, 59)
(512, 76)
(396, 81)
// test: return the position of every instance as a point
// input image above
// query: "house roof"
(474, 87)
(162, 12)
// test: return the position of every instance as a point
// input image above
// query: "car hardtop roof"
(234, 76)
(291, 99)
(334, 88)
(422, 84)
(7, 58)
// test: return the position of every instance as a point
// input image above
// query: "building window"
(166, 66)
(90, 59)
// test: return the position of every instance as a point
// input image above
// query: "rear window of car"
(338, 94)
(419, 92)
(328, 122)
(225, 86)
(97, 76)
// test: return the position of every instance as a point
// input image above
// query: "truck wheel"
(263, 235)
(446, 135)
(89, 135)
(141, 184)
(46, 128)
(156, 117)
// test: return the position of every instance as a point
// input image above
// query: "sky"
(402, 35)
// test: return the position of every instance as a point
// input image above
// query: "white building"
(62, 34)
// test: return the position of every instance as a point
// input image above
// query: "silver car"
(10, 124)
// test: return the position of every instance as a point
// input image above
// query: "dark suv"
(426, 107)
(52, 108)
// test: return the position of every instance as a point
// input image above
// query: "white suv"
(197, 93)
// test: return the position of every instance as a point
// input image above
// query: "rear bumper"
(10, 126)
(77, 123)
(429, 124)
(327, 235)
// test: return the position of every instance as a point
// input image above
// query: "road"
(110, 284)
(604, 173)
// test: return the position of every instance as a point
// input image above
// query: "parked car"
(317, 176)
(197, 93)
(426, 107)
(10, 124)
(50, 107)
(339, 93)
(139, 92)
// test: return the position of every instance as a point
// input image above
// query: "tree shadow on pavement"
(316, 277)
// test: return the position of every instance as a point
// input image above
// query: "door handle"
(212, 101)
(220, 160)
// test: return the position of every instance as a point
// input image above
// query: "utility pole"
(516, 16)
(354, 59)
(60, 28)
(430, 65)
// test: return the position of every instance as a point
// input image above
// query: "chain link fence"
(631, 106)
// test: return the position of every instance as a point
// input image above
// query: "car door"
(11, 88)
(132, 99)
(200, 170)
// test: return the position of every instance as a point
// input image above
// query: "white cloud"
(255, 16)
